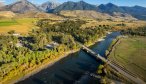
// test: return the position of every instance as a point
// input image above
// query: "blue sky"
(96, 2)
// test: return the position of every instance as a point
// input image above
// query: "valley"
(44, 43)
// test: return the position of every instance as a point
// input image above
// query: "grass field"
(131, 53)
(19, 25)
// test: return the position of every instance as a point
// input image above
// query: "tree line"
(141, 31)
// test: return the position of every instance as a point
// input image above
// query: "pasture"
(131, 53)
(23, 25)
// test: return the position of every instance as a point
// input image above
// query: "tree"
(11, 32)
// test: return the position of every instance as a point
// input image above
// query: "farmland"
(19, 25)
(131, 53)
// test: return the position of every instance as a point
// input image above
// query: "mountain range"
(23, 6)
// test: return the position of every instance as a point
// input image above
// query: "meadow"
(131, 53)
(23, 25)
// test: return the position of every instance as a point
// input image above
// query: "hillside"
(85, 14)
(7, 14)
(38, 15)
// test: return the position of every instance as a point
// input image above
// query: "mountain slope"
(86, 14)
(49, 6)
(7, 14)
(136, 11)
(81, 5)
(21, 6)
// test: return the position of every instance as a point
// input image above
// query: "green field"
(8, 22)
(19, 25)
(131, 53)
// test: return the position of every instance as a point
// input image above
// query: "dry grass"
(85, 14)
(134, 24)
(7, 14)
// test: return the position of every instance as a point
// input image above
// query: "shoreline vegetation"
(19, 62)
(112, 46)
(44, 66)
(48, 64)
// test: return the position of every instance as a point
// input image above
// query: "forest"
(21, 54)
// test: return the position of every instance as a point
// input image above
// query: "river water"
(71, 68)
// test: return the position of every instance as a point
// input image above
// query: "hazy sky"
(96, 2)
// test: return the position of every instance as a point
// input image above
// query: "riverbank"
(38, 68)
(112, 46)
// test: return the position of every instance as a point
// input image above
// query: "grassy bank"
(130, 53)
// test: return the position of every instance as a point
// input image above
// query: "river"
(71, 68)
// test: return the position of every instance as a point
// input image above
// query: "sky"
(95, 2)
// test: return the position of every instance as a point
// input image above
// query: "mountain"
(136, 11)
(21, 6)
(49, 6)
(110, 8)
(81, 5)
